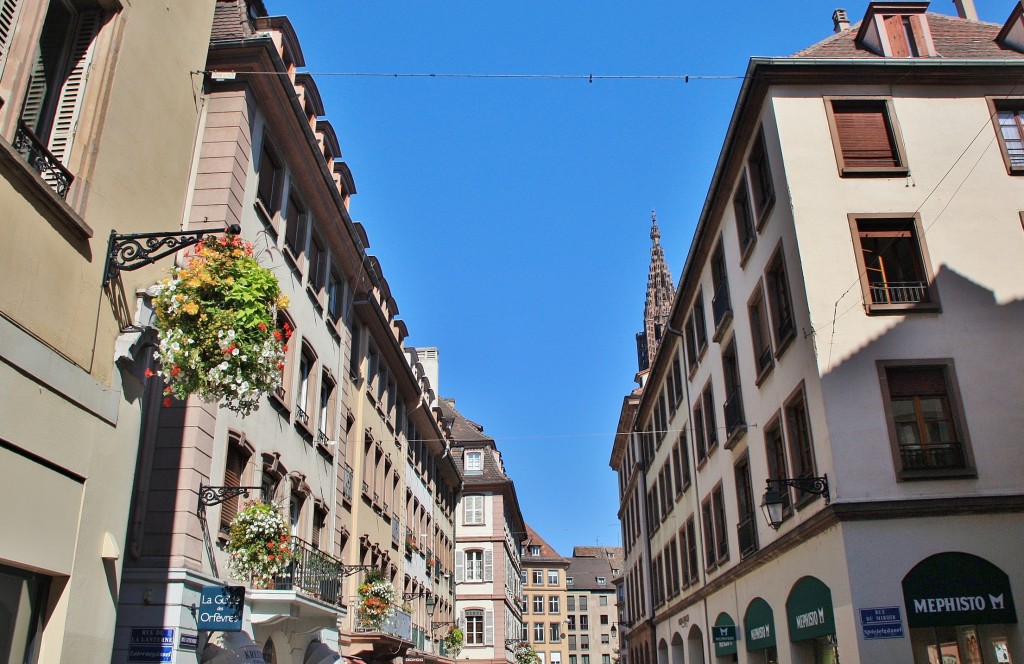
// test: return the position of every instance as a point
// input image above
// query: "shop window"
(23, 600)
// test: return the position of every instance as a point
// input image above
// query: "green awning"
(759, 625)
(724, 635)
(809, 610)
(953, 588)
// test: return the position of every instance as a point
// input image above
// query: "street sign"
(220, 608)
(150, 645)
(883, 622)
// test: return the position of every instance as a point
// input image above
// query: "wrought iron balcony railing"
(301, 416)
(764, 360)
(347, 477)
(935, 456)
(746, 533)
(899, 292)
(734, 419)
(321, 437)
(42, 160)
(313, 572)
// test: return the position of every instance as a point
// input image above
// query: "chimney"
(965, 9)
(841, 21)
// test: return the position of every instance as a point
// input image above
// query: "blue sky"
(511, 216)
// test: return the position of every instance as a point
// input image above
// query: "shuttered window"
(1009, 119)
(234, 467)
(8, 19)
(865, 136)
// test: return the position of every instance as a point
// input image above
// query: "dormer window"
(896, 30)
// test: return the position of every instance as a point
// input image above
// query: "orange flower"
(175, 370)
(167, 402)
(149, 373)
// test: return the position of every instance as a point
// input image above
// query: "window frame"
(467, 511)
(760, 333)
(743, 215)
(923, 259)
(956, 411)
(762, 186)
(778, 292)
(892, 127)
(473, 558)
(795, 446)
(1013, 105)
(270, 209)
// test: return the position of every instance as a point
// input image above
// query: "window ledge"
(265, 217)
(766, 211)
(42, 194)
(784, 344)
(899, 309)
(943, 474)
(764, 373)
(736, 436)
(874, 172)
(745, 252)
(723, 326)
(316, 297)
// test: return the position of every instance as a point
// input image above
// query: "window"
(894, 272)
(732, 408)
(317, 268)
(474, 628)
(604, 616)
(801, 447)
(538, 632)
(681, 464)
(319, 534)
(744, 218)
(1008, 115)
(570, 604)
(284, 333)
(335, 295)
(326, 429)
(601, 581)
(584, 619)
(55, 94)
(535, 551)
(585, 645)
(777, 283)
(721, 305)
(691, 551)
(865, 137)
(586, 658)
(572, 658)
(296, 227)
(603, 601)
(716, 536)
(474, 509)
(775, 450)
(555, 632)
(699, 437)
(572, 645)
(761, 186)
(304, 397)
(552, 577)
(23, 595)
(270, 187)
(538, 577)
(760, 334)
(568, 580)
(474, 463)
(605, 639)
(606, 659)
(474, 565)
(538, 603)
(553, 604)
(746, 529)
(571, 619)
(710, 422)
(925, 418)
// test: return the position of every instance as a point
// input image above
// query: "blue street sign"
(220, 608)
(883, 622)
(150, 645)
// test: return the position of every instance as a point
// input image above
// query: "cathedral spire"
(661, 292)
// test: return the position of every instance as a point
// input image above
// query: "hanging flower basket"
(259, 545)
(525, 654)
(216, 319)
(376, 600)
(453, 641)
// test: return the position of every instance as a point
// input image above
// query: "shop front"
(811, 620)
(960, 610)
(759, 631)
(723, 634)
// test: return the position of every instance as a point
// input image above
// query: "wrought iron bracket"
(435, 625)
(215, 495)
(349, 570)
(127, 252)
(512, 642)
(423, 593)
(815, 485)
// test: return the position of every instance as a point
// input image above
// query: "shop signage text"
(883, 622)
(976, 603)
(811, 618)
(220, 608)
(762, 632)
(724, 633)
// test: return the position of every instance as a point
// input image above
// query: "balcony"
(721, 309)
(934, 456)
(301, 417)
(312, 572)
(735, 423)
(398, 625)
(42, 160)
(899, 292)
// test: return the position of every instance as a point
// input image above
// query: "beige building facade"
(545, 608)
(77, 112)
(842, 346)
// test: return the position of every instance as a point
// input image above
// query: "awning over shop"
(231, 648)
(759, 625)
(954, 588)
(318, 652)
(809, 610)
(723, 633)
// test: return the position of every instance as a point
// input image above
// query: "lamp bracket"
(130, 251)
(815, 485)
(215, 495)
(349, 570)
(422, 593)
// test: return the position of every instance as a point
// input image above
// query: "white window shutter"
(488, 627)
(8, 19)
(72, 92)
(462, 621)
(460, 566)
(488, 565)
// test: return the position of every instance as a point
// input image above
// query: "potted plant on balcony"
(259, 546)
(453, 641)
(216, 321)
(376, 600)
(525, 654)
(410, 544)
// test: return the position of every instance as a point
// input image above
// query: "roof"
(547, 552)
(585, 572)
(954, 38)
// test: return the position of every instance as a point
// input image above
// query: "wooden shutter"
(897, 38)
(864, 134)
(72, 92)
(916, 381)
(460, 566)
(488, 627)
(488, 565)
(234, 467)
(8, 19)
